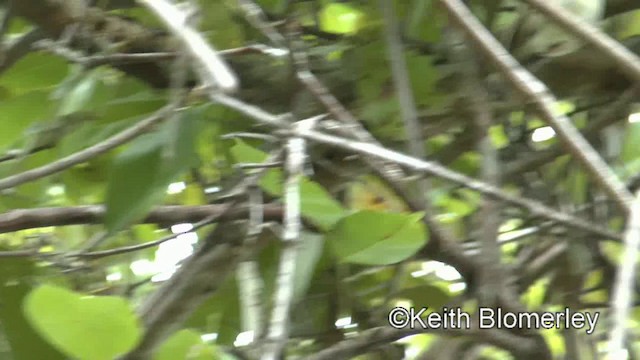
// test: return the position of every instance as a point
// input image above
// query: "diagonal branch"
(19, 48)
(372, 338)
(88, 153)
(199, 277)
(431, 168)
(623, 296)
(543, 101)
(623, 57)
(212, 67)
(615, 112)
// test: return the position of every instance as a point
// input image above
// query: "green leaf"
(597, 296)
(534, 296)
(23, 340)
(220, 24)
(85, 327)
(35, 71)
(109, 100)
(220, 314)
(78, 94)
(19, 112)
(424, 77)
(318, 205)
(593, 279)
(498, 137)
(133, 186)
(429, 295)
(612, 251)
(186, 344)
(275, 6)
(309, 253)
(630, 150)
(89, 133)
(456, 208)
(271, 181)
(141, 173)
(339, 18)
(425, 21)
(377, 238)
(577, 184)
(555, 342)
(630, 22)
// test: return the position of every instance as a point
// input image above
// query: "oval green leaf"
(141, 173)
(377, 238)
(85, 327)
(187, 344)
(340, 18)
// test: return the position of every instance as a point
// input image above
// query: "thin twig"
(371, 338)
(249, 135)
(19, 154)
(492, 273)
(128, 249)
(88, 153)
(249, 166)
(400, 75)
(409, 114)
(255, 16)
(431, 168)
(251, 111)
(614, 112)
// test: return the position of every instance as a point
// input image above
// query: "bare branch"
(395, 53)
(431, 168)
(250, 284)
(19, 48)
(623, 57)
(581, 149)
(279, 326)
(375, 337)
(212, 67)
(492, 273)
(22, 219)
(623, 296)
(542, 99)
(615, 112)
(88, 153)
(255, 16)
(128, 249)
(200, 276)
